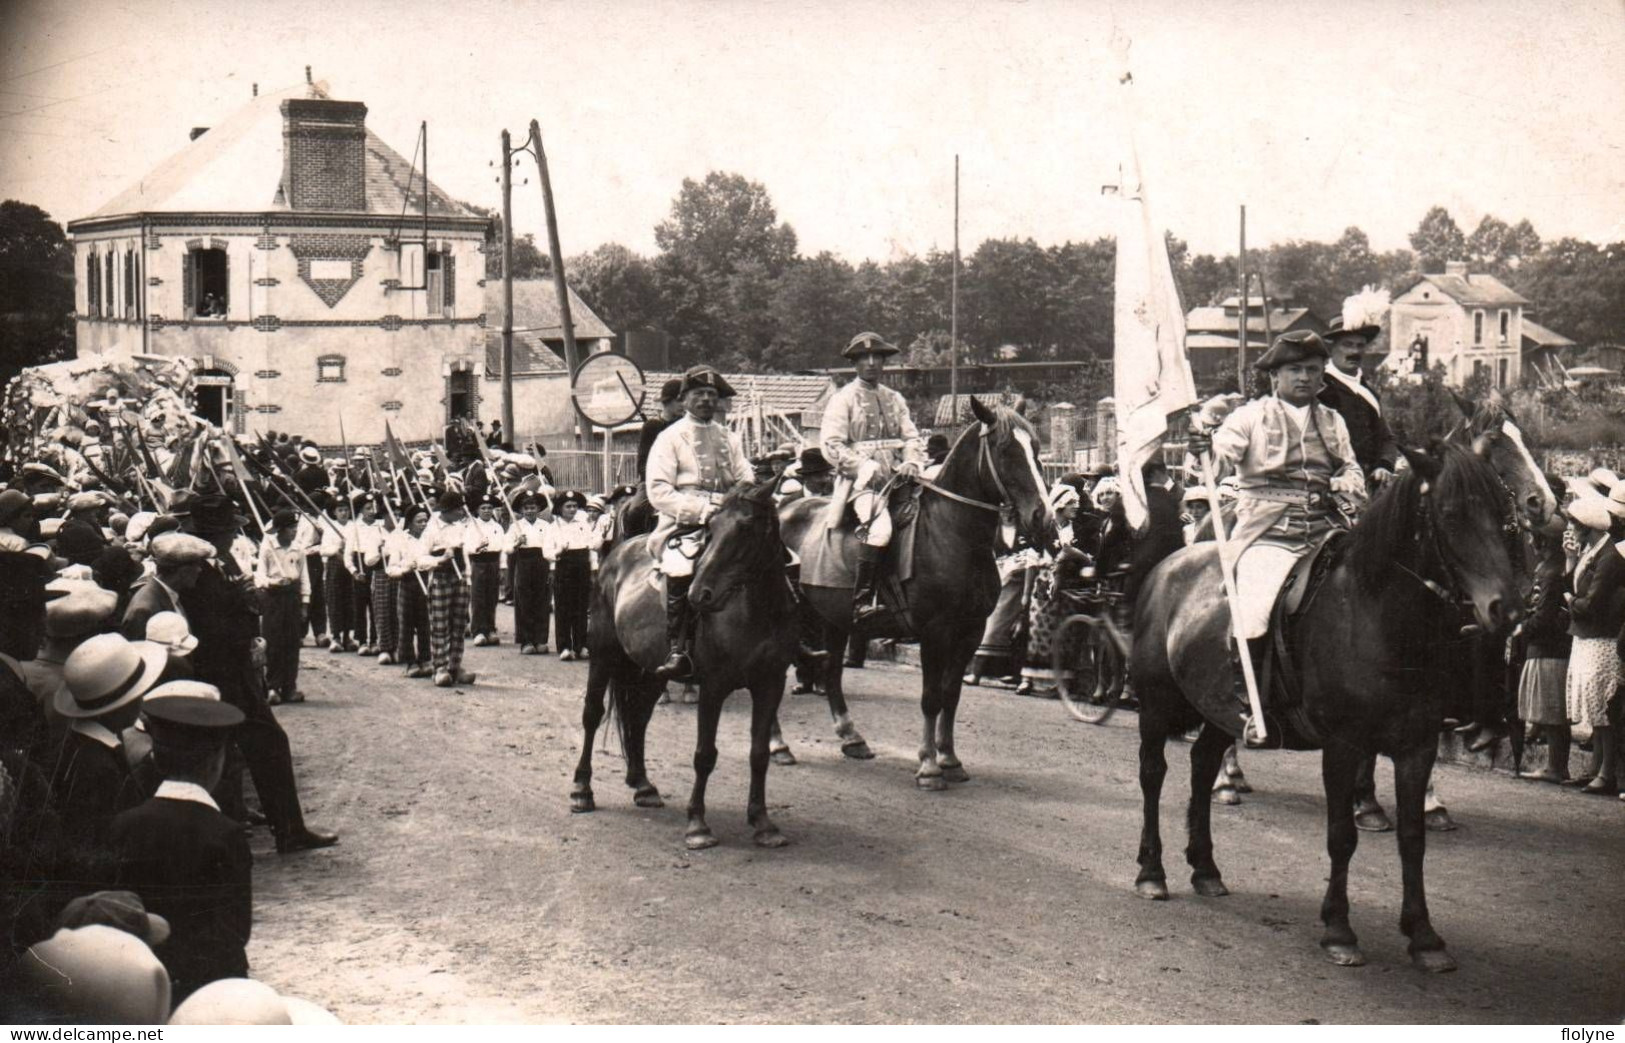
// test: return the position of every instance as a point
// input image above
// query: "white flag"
(1152, 374)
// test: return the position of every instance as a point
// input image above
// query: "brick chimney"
(1456, 268)
(324, 154)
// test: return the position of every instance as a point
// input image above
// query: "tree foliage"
(36, 289)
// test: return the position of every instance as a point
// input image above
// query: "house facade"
(1473, 324)
(289, 255)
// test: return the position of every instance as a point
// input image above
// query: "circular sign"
(608, 390)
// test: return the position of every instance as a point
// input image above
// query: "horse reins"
(984, 455)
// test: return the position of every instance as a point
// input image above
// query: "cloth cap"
(106, 673)
(671, 389)
(140, 522)
(188, 723)
(869, 344)
(180, 548)
(82, 609)
(703, 376)
(13, 505)
(99, 974)
(171, 630)
(1292, 347)
(89, 501)
(814, 462)
(120, 909)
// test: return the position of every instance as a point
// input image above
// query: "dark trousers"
(384, 591)
(340, 591)
(412, 630)
(572, 582)
(317, 609)
(484, 574)
(282, 627)
(532, 595)
(265, 749)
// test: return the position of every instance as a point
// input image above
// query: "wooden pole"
(507, 285)
(953, 314)
(571, 357)
(1241, 322)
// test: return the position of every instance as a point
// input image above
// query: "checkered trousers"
(383, 609)
(448, 617)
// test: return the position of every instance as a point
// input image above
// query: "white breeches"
(1259, 574)
(871, 512)
(677, 557)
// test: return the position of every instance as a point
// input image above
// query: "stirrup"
(1250, 734)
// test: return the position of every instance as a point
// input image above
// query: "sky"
(1315, 115)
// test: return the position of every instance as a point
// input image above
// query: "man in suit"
(1348, 392)
(671, 410)
(189, 862)
(179, 559)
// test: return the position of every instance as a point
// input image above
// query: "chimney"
(324, 154)
(1456, 268)
(198, 132)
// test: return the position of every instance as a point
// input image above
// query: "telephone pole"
(507, 286)
(572, 358)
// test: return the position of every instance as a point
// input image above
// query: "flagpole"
(953, 313)
(1227, 570)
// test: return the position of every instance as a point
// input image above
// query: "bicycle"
(1090, 654)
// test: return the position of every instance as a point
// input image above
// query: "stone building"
(1473, 324)
(288, 253)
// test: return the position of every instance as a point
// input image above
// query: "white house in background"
(1474, 324)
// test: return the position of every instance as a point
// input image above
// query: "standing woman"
(411, 592)
(1596, 615)
(527, 561)
(1015, 556)
(485, 539)
(1545, 641)
(571, 542)
(1048, 608)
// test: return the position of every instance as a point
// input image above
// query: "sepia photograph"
(910, 512)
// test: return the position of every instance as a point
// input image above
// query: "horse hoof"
(1209, 887)
(1373, 820)
(580, 803)
(1226, 795)
(858, 751)
(648, 798)
(1434, 961)
(1152, 890)
(1439, 821)
(784, 757)
(931, 782)
(1345, 955)
(771, 838)
(700, 841)
(956, 773)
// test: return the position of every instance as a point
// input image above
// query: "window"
(130, 283)
(330, 369)
(1478, 327)
(434, 283)
(1506, 325)
(93, 279)
(1505, 369)
(1479, 369)
(205, 285)
(109, 284)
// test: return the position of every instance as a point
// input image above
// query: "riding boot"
(1258, 651)
(865, 606)
(677, 665)
(809, 626)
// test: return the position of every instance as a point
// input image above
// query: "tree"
(620, 285)
(1438, 239)
(817, 309)
(717, 223)
(36, 289)
(528, 260)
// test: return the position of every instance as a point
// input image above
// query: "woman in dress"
(1596, 614)
(1048, 607)
(1543, 638)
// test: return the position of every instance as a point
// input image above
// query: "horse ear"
(981, 412)
(1422, 462)
(762, 492)
(1462, 403)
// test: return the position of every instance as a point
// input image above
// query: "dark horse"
(745, 637)
(1365, 650)
(954, 583)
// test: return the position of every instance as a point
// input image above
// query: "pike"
(311, 504)
(490, 472)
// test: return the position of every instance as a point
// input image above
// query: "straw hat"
(170, 630)
(99, 974)
(233, 1001)
(106, 673)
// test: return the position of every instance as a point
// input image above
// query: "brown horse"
(954, 583)
(1365, 651)
(744, 637)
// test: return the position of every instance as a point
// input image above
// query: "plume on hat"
(1366, 308)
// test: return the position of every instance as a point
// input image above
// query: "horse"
(954, 583)
(744, 637)
(1491, 430)
(1362, 649)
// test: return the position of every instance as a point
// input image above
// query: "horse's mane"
(1389, 524)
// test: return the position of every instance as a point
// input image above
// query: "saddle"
(830, 552)
(1292, 725)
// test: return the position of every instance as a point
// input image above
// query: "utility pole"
(1241, 321)
(572, 358)
(507, 286)
(953, 317)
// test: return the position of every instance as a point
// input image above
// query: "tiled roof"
(784, 393)
(1536, 336)
(237, 168)
(944, 416)
(1473, 289)
(538, 335)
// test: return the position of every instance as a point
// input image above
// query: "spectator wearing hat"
(494, 439)
(671, 410)
(189, 862)
(169, 631)
(868, 435)
(178, 560)
(17, 516)
(445, 555)
(96, 974)
(1543, 644)
(570, 543)
(1596, 618)
(484, 546)
(80, 611)
(403, 557)
(1348, 338)
(526, 545)
(338, 550)
(283, 580)
(223, 609)
(117, 571)
(936, 454)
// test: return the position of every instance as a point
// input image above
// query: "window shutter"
(110, 295)
(189, 283)
(448, 278)
(225, 295)
(91, 269)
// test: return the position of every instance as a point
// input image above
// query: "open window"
(207, 286)
(434, 283)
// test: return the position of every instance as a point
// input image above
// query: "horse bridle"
(1457, 590)
(984, 457)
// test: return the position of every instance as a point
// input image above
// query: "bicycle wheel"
(1077, 654)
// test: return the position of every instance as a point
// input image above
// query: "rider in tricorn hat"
(1297, 477)
(868, 436)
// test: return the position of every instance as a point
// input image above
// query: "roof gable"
(1468, 290)
(536, 325)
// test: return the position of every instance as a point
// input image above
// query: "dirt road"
(464, 890)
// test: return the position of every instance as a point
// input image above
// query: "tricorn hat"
(869, 344)
(703, 376)
(1292, 347)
